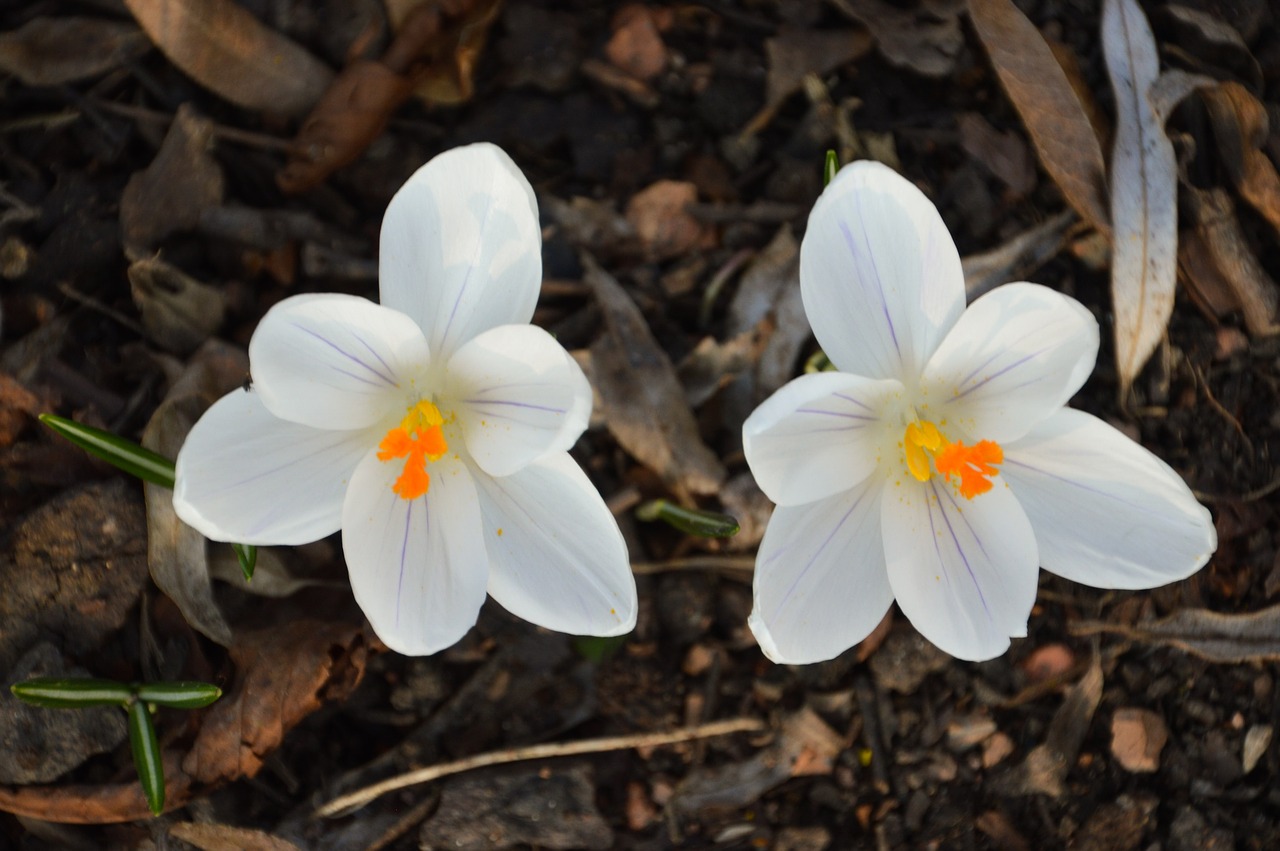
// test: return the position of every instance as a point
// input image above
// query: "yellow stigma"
(418, 439)
(972, 465)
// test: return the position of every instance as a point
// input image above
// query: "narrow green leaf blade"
(830, 167)
(694, 521)
(59, 693)
(146, 755)
(247, 555)
(179, 694)
(125, 454)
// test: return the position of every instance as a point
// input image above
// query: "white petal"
(964, 571)
(818, 435)
(1105, 511)
(335, 361)
(461, 247)
(1015, 357)
(418, 567)
(247, 476)
(558, 559)
(820, 582)
(879, 274)
(518, 395)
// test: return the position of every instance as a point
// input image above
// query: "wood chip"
(1137, 737)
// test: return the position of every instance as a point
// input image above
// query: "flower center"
(972, 465)
(418, 439)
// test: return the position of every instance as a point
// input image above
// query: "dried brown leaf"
(643, 403)
(794, 54)
(1005, 155)
(233, 54)
(1055, 119)
(1017, 258)
(284, 672)
(53, 51)
(1230, 638)
(111, 803)
(1144, 202)
(659, 217)
(1241, 127)
(224, 837)
(924, 38)
(178, 312)
(1046, 767)
(438, 43)
(1218, 230)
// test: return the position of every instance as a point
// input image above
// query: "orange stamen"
(975, 465)
(418, 439)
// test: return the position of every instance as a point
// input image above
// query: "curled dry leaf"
(210, 836)
(440, 55)
(658, 214)
(1017, 258)
(1241, 127)
(643, 403)
(1219, 232)
(794, 54)
(284, 672)
(1005, 155)
(1055, 119)
(169, 195)
(53, 51)
(175, 551)
(112, 803)
(178, 312)
(924, 38)
(233, 54)
(1208, 38)
(1144, 198)
(1233, 639)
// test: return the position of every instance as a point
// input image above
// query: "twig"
(732, 564)
(354, 800)
(221, 131)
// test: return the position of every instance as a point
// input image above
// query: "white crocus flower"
(432, 429)
(939, 466)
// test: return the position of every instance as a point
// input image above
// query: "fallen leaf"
(593, 225)
(19, 407)
(543, 807)
(53, 51)
(111, 803)
(1234, 638)
(1137, 737)
(1256, 742)
(636, 47)
(712, 364)
(1057, 122)
(1210, 39)
(234, 55)
(1046, 767)
(171, 193)
(1017, 258)
(175, 551)
(925, 38)
(210, 836)
(1144, 202)
(1241, 127)
(666, 230)
(284, 672)
(967, 731)
(1004, 155)
(1218, 230)
(179, 313)
(643, 403)
(794, 54)
(437, 44)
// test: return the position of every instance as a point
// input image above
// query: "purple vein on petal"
(955, 539)
(466, 279)
(852, 400)
(1002, 351)
(786, 598)
(374, 352)
(875, 270)
(385, 378)
(993, 376)
(1135, 506)
(525, 405)
(840, 414)
(404, 554)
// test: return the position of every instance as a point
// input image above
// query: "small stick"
(360, 797)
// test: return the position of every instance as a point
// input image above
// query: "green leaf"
(694, 521)
(818, 362)
(125, 454)
(179, 694)
(146, 755)
(56, 693)
(596, 649)
(247, 555)
(830, 167)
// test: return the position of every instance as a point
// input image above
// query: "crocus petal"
(245, 475)
(557, 557)
(335, 361)
(518, 395)
(879, 274)
(964, 571)
(1105, 511)
(818, 435)
(820, 582)
(461, 247)
(1016, 356)
(418, 567)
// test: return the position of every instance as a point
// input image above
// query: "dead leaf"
(1017, 258)
(1046, 767)
(178, 312)
(636, 46)
(1137, 737)
(925, 38)
(1004, 155)
(712, 364)
(169, 195)
(1256, 743)
(1234, 638)
(271, 577)
(53, 51)
(223, 837)
(111, 803)
(1219, 231)
(284, 672)
(1144, 202)
(1055, 119)
(794, 54)
(643, 402)
(1241, 127)
(19, 407)
(1209, 39)
(658, 215)
(593, 225)
(175, 551)
(437, 44)
(234, 55)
